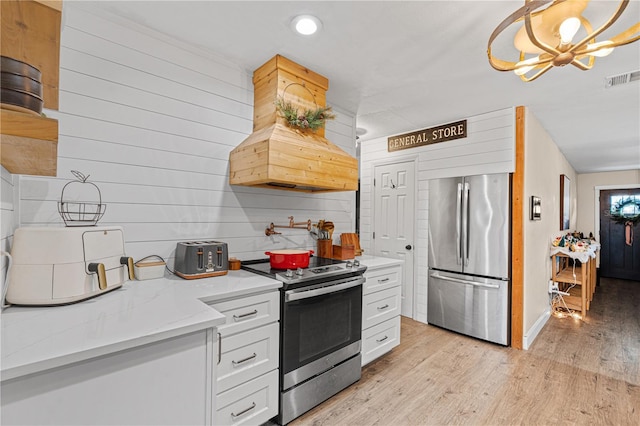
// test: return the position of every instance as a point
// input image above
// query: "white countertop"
(375, 262)
(140, 312)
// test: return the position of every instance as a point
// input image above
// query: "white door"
(394, 200)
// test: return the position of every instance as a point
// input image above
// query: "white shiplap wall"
(152, 123)
(9, 213)
(488, 148)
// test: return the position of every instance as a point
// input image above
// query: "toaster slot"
(200, 254)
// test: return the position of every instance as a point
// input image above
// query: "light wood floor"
(576, 372)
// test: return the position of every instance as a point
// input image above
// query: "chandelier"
(546, 37)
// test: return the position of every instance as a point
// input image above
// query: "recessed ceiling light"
(306, 24)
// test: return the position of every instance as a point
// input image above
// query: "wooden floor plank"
(576, 372)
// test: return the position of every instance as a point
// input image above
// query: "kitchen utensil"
(351, 239)
(289, 259)
(56, 266)
(328, 226)
(201, 259)
(234, 264)
(149, 268)
(325, 248)
(15, 66)
(343, 252)
(81, 213)
(16, 98)
(20, 82)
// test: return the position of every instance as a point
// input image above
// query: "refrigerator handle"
(458, 228)
(465, 224)
(456, 280)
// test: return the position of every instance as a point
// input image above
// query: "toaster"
(200, 259)
(56, 266)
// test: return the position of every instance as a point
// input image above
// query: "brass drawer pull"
(384, 280)
(242, 361)
(381, 308)
(383, 339)
(246, 410)
(243, 316)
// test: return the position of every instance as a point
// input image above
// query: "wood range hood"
(279, 156)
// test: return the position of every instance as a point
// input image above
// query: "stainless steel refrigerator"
(469, 256)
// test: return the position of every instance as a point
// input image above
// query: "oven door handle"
(292, 295)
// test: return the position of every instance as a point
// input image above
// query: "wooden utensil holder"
(325, 249)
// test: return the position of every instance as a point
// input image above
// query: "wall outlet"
(553, 287)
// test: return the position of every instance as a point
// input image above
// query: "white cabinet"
(147, 385)
(381, 303)
(246, 367)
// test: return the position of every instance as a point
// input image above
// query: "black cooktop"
(320, 269)
(263, 266)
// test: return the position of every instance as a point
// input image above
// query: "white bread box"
(54, 266)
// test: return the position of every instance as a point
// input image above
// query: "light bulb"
(523, 67)
(306, 24)
(568, 29)
(598, 49)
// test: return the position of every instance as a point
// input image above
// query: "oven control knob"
(356, 263)
(300, 271)
(289, 273)
(348, 265)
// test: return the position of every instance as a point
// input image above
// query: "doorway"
(620, 233)
(394, 221)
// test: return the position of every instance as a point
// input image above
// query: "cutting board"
(351, 239)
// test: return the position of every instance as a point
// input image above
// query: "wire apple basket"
(76, 213)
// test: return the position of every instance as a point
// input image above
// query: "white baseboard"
(532, 333)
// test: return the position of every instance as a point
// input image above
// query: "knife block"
(344, 252)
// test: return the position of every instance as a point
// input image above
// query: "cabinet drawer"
(248, 312)
(380, 339)
(247, 355)
(252, 403)
(381, 279)
(380, 306)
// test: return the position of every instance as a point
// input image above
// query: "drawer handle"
(243, 316)
(246, 410)
(384, 280)
(381, 308)
(382, 340)
(242, 361)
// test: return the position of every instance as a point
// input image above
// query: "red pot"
(289, 259)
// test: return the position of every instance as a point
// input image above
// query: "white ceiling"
(407, 65)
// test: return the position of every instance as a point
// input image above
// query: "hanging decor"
(309, 119)
(545, 37)
(627, 212)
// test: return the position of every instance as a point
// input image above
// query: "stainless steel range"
(320, 331)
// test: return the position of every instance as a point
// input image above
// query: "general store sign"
(446, 132)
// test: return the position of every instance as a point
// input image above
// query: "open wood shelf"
(31, 33)
(28, 143)
(581, 294)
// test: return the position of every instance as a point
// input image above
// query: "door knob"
(408, 247)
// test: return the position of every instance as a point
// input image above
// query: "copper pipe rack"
(298, 225)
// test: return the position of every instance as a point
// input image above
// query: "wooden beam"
(517, 236)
